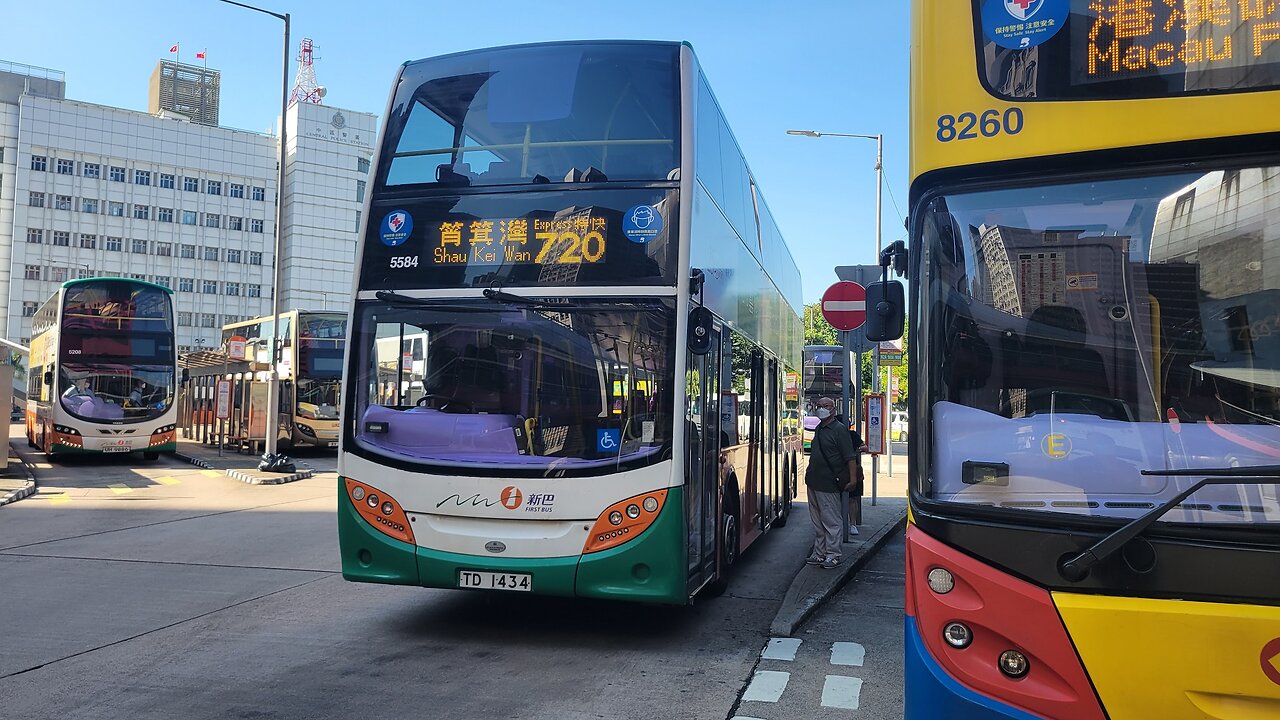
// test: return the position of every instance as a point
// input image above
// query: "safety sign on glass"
(1021, 24)
(642, 223)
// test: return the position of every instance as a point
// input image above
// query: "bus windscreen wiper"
(510, 298)
(395, 298)
(1077, 568)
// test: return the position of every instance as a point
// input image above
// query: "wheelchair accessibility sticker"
(609, 440)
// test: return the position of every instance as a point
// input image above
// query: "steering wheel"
(448, 400)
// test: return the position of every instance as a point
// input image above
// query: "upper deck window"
(1106, 49)
(551, 113)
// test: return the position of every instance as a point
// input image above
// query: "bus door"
(702, 460)
(771, 494)
(755, 481)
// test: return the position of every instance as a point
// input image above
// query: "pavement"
(882, 523)
(235, 464)
(16, 481)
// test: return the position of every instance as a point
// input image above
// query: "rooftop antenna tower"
(305, 87)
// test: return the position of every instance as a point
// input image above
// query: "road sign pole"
(844, 369)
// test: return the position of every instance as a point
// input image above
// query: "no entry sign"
(844, 305)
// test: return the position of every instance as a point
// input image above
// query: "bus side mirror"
(48, 377)
(186, 376)
(886, 311)
(700, 331)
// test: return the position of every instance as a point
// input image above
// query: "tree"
(817, 331)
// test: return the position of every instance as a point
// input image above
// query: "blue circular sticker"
(1022, 24)
(396, 227)
(642, 223)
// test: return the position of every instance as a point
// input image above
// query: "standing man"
(832, 464)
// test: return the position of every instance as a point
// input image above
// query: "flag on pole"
(200, 55)
(173, 49)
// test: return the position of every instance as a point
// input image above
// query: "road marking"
(742, 717)
(781, 649)
(120, 488)
(168, 480)
(848, 653)
(58, 498)
(766, 686)
(841, 692)
(210, 473)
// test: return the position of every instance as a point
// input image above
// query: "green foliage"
(817, 331)
(17, 361)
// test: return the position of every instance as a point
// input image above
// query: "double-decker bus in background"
(1095, 440)
(574, 327)
(103, 369)
(311, 354)
(823, 372)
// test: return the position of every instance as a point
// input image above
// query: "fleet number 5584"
(404, 261)
(969, 126)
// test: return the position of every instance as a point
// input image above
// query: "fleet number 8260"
(969, 126)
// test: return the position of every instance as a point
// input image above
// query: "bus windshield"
(559, 113)
(479, 384)
(1082, 333)
(116, 351)
(321, 342)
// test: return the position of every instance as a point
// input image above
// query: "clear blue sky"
(827, 65)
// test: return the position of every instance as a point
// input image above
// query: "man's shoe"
(830, 563)
(853, 529)
(812, 561)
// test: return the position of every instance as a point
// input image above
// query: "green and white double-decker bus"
(573, 328)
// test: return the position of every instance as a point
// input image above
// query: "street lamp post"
(875, 356)
(271, 459)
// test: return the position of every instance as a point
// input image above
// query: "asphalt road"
(141, 590)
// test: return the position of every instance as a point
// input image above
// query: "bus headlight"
(624, 520)
(380, 510)
(1014, 664)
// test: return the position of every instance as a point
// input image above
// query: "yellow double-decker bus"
(1095, 329)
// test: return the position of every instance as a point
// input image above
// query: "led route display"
(520, 241)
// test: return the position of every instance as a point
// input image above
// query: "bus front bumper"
(649, 568)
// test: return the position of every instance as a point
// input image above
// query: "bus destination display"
(520, 241)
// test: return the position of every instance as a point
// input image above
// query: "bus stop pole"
(846, 341)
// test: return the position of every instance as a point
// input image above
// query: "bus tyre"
(784, 503)
(728, 554)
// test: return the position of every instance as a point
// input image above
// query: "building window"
(253, 290)
(360, 184)
(255, 225)
(188, 217)
(189, 251)
(164, 249)
(115, 209)
(29, 308)
(233, 256)
(184, 319)
(141, 177)
(208, 320)
(191, 184)
(166, 181)
(164, 215)
(359, 214)
(212, 220)
(139, 247)
(237, 190)
(62, 202)
(117, 174)
(35, 199)
(142, 212)
(62, 238)
(138, 276)
(39, 163)
(114, 244)
(362, 165)
(164, 281)
(235, 223)
(211, 253)
(209, 287)
(66, 167)
(85, 273)
(89, 205)
(255, 257)
(35, 235)
(33, 272)
(213, 187)
(91, 170)
(58, 274)
(186, 285)
(233, 288)
(259, 194)
(88, 242)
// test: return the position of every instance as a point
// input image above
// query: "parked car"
(898, 426)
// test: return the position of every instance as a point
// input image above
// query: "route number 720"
(968, 125)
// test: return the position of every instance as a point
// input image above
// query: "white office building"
(88, 190)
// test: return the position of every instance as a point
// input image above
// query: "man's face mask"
(823, 413)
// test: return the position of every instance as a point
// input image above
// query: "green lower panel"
(165, 447)
(651, 568)
(368, 555)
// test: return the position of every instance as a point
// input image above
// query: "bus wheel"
(784, 502)
(149, 456)
(728, 555)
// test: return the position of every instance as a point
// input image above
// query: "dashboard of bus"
(459, 386)
(1081, 333)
